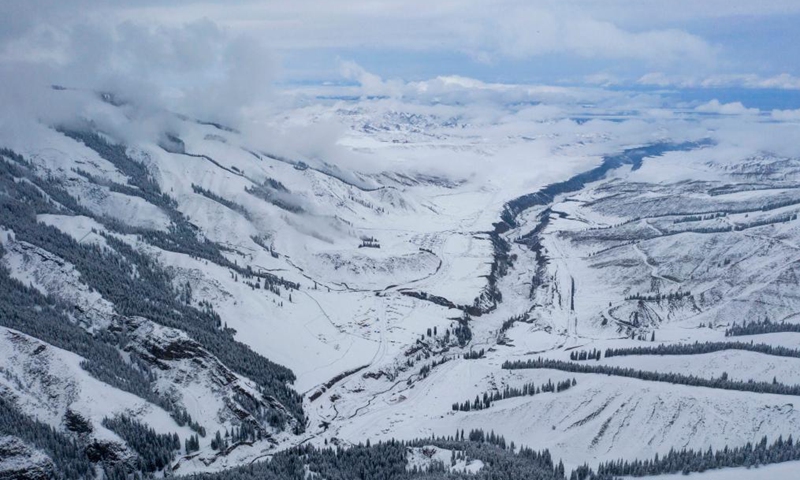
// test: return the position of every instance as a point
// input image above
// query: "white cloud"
(611, 31)
(487, 32)
(371, 84)
(786, 115)
(783, 81)
(641, 12)
(603, 79)
(529, 31)
(196, 68)
(490, 99)
(733, 108)
(215, 60)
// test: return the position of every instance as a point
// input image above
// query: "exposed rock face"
(18, 461)
(180, 362)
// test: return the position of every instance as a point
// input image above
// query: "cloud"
(460, 90)
(782, 81)
(528, 31)
(371, 84)
(743, 137)
(733, 108)
(197, 68)
(512, 29)
(786, 115)
(603, 79)
(623, 37)
(217, 61)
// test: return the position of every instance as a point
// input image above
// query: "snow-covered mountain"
(182, 297)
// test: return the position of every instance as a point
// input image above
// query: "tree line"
(231, 205)
(689, 461)
(721, 382)
(699, 218)
(697, 348)
(758, 328)
(474, 354)
(528, 389)
(658, 297)
(594, 354)
(269, 192)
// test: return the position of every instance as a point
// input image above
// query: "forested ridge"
(134, 282)
(66, 452)
(389, 461)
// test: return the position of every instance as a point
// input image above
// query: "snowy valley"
(193, 299)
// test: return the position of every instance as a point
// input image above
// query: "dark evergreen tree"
(155, 450)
